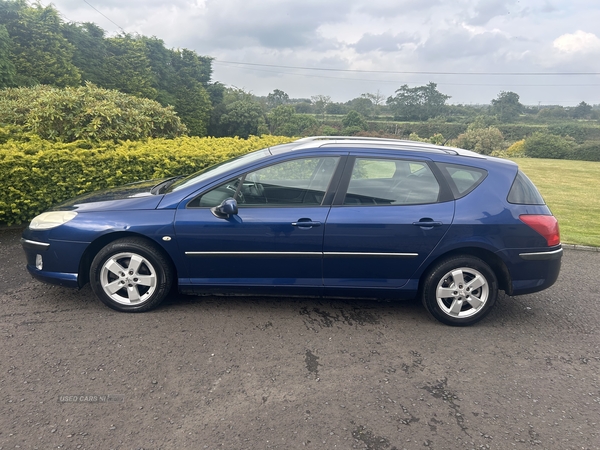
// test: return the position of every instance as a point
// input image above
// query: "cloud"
(269, 23)
(378, 35)
(386, 42)
(579, 42)
(486, 10)
(460, 42)
(387, 8)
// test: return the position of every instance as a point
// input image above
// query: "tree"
(336, 109)
(361, 105)
(239, 115)
(39, 51)
(320, 102)
(128, 67)
(421, 102)
(354, 119)
(283, 121)
(582, 111)
(553, 112)
(191, 99)
(277, 98)
(377, 99)
(90, 51)
(7, 68)
(507, 106)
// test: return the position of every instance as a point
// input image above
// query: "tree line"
(37, 47)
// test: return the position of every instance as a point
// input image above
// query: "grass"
(572, 191)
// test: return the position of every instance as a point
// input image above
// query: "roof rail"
(353, 138)
(399, 144)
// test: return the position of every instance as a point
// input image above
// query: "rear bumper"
(532, 271)
(542, 256)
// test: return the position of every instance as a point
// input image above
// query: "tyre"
(131, 275)
(460, 290)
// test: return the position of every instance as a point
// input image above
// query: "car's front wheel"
(130, 275)
(460, 290)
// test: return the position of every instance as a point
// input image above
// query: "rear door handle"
(427, 223)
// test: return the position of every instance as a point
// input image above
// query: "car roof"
(371, 143)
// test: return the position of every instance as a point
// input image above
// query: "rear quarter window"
(524, 192)
(462, 179)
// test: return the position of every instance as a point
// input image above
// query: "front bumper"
(53, 261)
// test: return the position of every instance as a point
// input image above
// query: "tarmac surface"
(279, 373)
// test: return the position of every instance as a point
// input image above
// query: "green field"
(572, 191)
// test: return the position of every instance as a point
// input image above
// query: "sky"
(547, 51)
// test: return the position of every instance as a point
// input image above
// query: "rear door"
(388, 216)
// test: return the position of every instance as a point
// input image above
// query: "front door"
(275, 239)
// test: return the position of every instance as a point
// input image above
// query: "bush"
(436, 139)
(354, 120)
(326, 130)
(480, 140)
(589, 151)
(351, 131)
(545, 145)
(517, 150)
(87, 113)
(38, 174)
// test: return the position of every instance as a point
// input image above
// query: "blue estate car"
(358, 217)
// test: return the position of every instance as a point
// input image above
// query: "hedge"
(589, 151)
(37, 174)
(511, 132)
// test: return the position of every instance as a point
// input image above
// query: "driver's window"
(300, 182)
(215, 196)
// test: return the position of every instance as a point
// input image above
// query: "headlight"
(51, 219)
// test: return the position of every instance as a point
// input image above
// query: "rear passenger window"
(391, 182)
(524, 192)
(462, 179)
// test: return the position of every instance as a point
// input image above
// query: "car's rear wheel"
(130, 275)
(460, 290)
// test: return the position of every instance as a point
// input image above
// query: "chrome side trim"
(34, 244)
(541, 256)
(396, 255)
(254, 253)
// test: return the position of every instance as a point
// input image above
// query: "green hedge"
(37, 174)
(589, 151)
(581, 132)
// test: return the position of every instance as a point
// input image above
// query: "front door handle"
(427, 223)
(306, 223)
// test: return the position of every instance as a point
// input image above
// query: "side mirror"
(227, 208)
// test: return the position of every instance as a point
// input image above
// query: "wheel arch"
(491, 259)
(95, 246)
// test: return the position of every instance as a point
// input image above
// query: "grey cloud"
(387, 8)
(271, 24)
(486, 10)
(386, 42)
(459, 43)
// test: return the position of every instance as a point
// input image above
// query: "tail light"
(547, 226)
